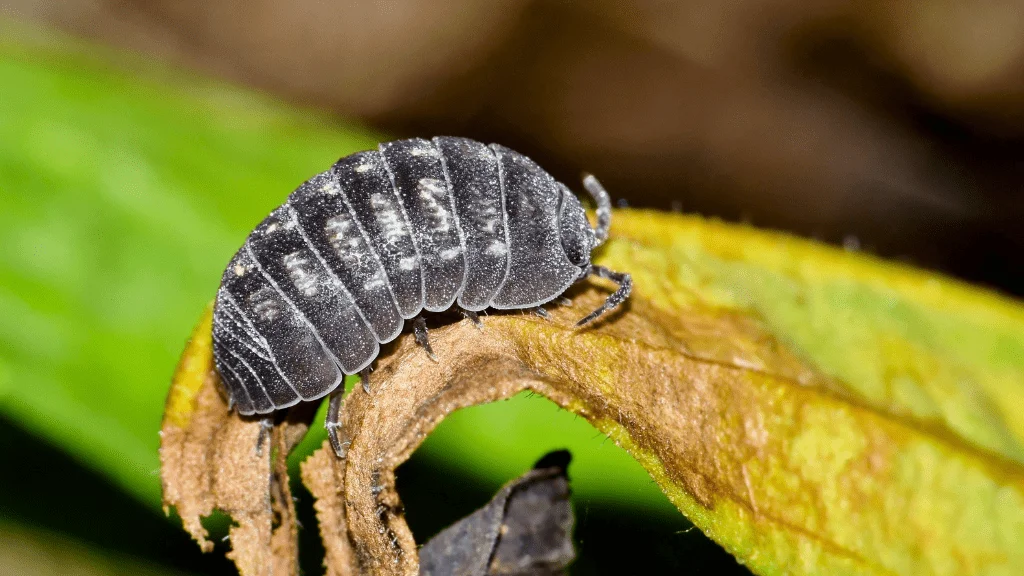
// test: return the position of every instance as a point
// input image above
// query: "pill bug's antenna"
(604, 207)
(604, 221)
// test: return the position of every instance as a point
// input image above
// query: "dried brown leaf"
(525, 530)
(209, 460)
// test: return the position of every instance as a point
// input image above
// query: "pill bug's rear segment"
(417, 225)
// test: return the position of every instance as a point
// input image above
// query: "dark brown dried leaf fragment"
(525, 530)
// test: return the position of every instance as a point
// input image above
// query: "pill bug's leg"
(266, 425)
(625, 283)
(604, 207)
(364, 377)
(332, 422)
(473, 317)
(419, 329)
(563, 301)
(540, 311)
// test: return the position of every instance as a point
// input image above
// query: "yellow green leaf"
(899, 449)
(812, 410)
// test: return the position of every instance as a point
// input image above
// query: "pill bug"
(382, 237)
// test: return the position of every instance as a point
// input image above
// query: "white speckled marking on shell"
(296, 350)
(375, 204)
(339, 240)
(329, 309)
(419, 178)
(472, 172)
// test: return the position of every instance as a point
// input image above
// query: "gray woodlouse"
(382, 236)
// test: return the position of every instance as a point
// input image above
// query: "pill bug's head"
(578, 237)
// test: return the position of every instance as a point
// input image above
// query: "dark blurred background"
(893, 126)
(896, 127)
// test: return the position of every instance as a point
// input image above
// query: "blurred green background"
(127, 179)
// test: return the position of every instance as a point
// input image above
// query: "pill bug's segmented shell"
(417, 225)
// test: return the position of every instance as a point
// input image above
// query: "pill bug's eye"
(577, 236)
